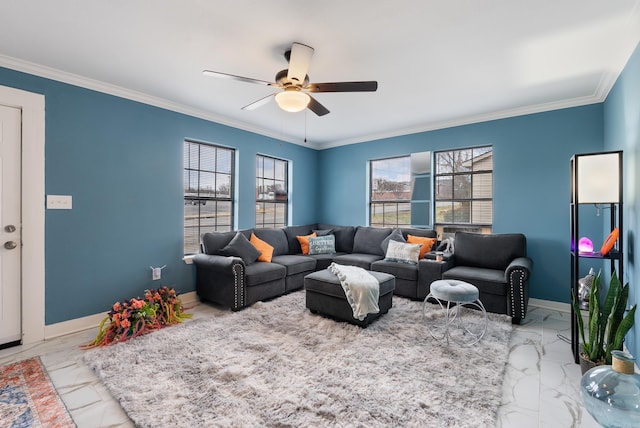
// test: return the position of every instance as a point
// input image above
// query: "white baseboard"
(549, 304)
(93, 321)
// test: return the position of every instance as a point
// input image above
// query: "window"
(208, 191)
(464, 189)
(390, 192)
(272, 191)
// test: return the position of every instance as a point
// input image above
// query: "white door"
(10, 225)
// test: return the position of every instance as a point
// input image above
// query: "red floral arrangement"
(127, 319)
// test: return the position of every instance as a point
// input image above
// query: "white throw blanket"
(360, 287)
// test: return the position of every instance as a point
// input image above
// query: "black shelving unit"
(615, 256)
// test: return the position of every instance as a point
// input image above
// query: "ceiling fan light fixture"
(292, 101)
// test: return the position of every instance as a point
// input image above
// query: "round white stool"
(456, 294)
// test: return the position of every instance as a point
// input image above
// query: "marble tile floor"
(540, 388)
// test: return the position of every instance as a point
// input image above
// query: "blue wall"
(531, 180)
(622, 132)
(122, 163)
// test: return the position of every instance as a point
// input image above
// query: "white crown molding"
(118, 91)
(504, 114)
(607, 80)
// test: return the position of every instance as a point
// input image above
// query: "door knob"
(10, 245)
(10, 228)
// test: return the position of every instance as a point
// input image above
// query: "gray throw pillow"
(322, 245)
(241, 247)
(396, 235)
(323, 232)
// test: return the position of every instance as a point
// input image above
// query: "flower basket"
(132, 318)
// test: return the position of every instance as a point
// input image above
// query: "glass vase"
(611, 394)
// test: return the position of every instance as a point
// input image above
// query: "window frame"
(384, 203)
(197, 198)
(473, 174)
(280, 200)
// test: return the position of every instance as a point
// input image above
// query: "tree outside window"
(390, 192)
(464, 186)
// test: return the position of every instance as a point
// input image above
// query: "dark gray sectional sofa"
(230, 281)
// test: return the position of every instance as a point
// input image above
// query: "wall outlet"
(156, 273)
(59, 202)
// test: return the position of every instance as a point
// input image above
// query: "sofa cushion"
(399, 270)
(357, 259)
(324, 260)
(260, 272)
(368, 240)
(344, 236)
(401, 252)
(276, 238)
(323, 232)
(292, 231)
(396, 235)
(490, 281)
(213, 242)
(427, 233)
(322, 245)
(488, 251)
(266, 250)
(295, 263)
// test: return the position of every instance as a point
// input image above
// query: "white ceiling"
(437, 63)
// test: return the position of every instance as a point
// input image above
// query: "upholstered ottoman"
(325, 296)
(456, 294)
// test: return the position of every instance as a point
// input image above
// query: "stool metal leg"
(457, 327)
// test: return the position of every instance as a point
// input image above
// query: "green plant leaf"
(595, 349)
(576, 310)
(617, 314)
(622, 331)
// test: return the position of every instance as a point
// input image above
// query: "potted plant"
(608, 324)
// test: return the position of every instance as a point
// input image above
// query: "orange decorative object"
(610, 241)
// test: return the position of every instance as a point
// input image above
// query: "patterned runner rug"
(28, 398)
(277, 365)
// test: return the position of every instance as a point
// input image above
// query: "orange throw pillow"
(266, 250)
(304, 242)
(427, 243)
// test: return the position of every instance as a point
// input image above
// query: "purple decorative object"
(585, 245)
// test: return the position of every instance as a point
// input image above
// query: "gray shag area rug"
(275, 364)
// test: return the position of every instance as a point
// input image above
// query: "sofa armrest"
(521, 264)
(429, 271)
(517, 277)
(222, 264)
(221, 279)
(432, 255)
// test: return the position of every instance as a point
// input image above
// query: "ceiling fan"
(295, 84)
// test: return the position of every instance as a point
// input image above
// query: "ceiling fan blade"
(299, 61)
(316, 107)
(239, 78)
(367, 86)
(262, 101)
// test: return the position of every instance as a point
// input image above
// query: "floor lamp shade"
(599, 178)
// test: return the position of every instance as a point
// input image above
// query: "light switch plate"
(59, 202)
